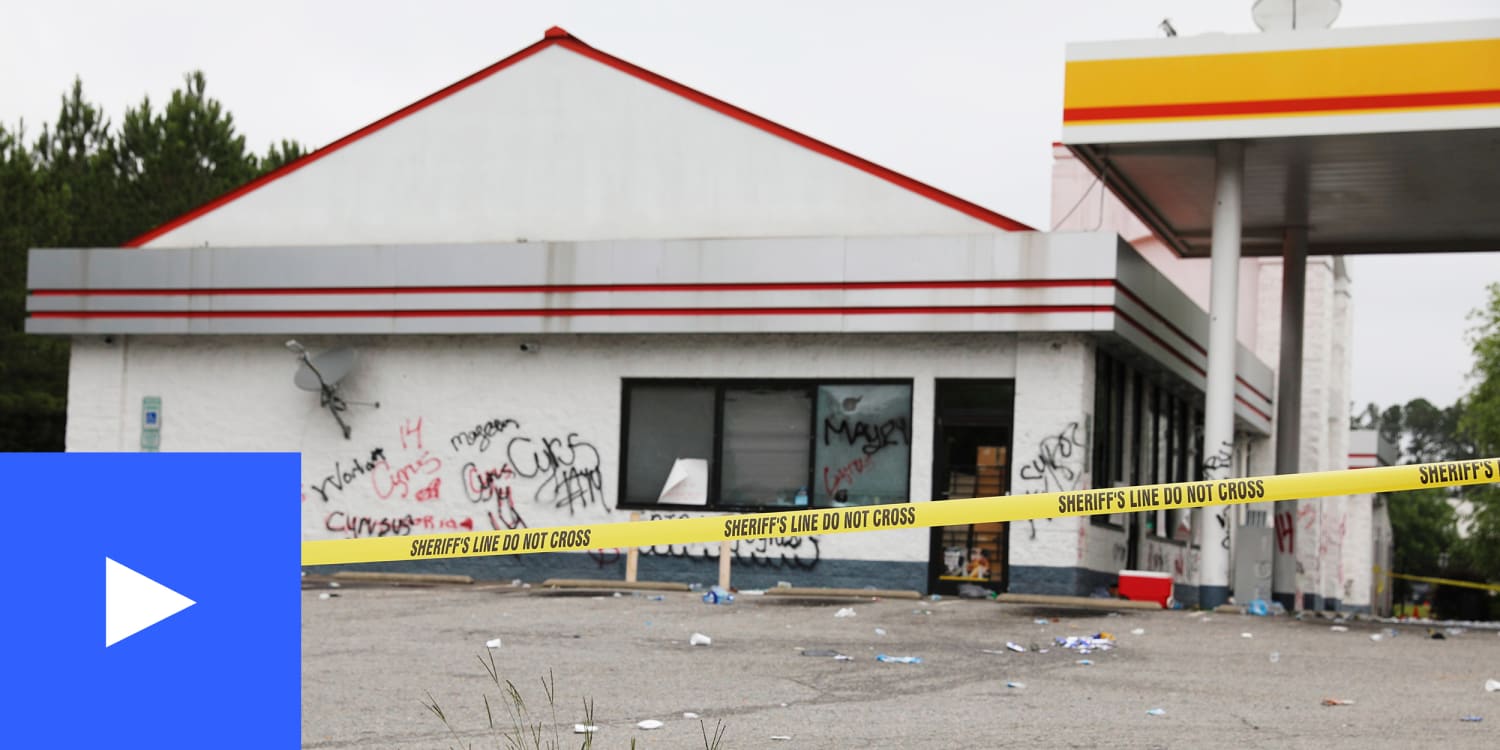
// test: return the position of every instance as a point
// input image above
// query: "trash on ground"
(1086, 644)
(1041, 621)
(899, 659)
(1018, 648)
(1337, 702)
(700, 639)
(515, 582)
(879, 631)
(970, 591)
(1017, 685)
(781, 736)
(936, 597)
(1138, 631)
(921, 611)
(326, 595)
(1258, 607)
(689, 715)
(1275, 656)
(658, 598)
(1491, 686)
(1338, 628)
(752, 592)
(1085, 662)
(1157, 712)
(1376, 636)
(492, 643)
(584, 729)
(844, 612)
(334, 584)
(1471, 718)
(650, 724)
(783, 584)
(1454, 631)
(718, 595)
(1247, 635)
(826, 652)
(1437, 635)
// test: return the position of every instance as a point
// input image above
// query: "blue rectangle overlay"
(222, 530)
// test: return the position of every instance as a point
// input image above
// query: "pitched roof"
(558, 37)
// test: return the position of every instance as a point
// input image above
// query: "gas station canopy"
(1373, 139)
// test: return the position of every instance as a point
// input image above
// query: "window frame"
(712, 503)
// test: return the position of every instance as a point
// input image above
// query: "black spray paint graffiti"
(1217, 466)
(491, 485)
(569, 467)
(875, 436)
(341, 477)
(789, 552)
(1054, 464)
(482, 434)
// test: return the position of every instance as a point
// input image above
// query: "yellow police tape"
(903, 516)
(1442, 581)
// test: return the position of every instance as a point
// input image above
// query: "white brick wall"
(1054, 401)
(236, 394)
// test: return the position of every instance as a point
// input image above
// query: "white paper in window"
(687, 483)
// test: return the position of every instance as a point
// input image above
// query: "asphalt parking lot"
(371, 657)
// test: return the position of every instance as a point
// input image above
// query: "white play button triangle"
(133, 602)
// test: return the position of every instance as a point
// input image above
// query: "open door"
(971, 458)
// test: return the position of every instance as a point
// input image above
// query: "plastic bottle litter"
(899, 659)
(1018, 648)
(584, 729)
(1491, 686)
(650, 724)
(700, 639)
(1085, 662)
(1041, 621)
(1258, 607)
(492, 643)
(718, 595)
(1017, 685)
(844, 612)
(1157, 712)
(1471, 718)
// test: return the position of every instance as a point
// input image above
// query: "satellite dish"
(333, 365)
(1290, 15)
(321, 375)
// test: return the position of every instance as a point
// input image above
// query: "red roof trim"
(735, 286)
(578, 312)
(556, 36)
(1329, 104)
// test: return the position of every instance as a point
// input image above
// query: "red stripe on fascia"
(558, 37)
(1179, 355)
(1284, 106)
(383, 122)
(1183, 335)
(751, 286)
(749, 118)
(1363, 455)
(575, 312)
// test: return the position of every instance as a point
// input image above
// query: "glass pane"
(766, 447)
(863, 444)
(670, 426)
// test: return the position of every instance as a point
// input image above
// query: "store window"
(756, 445)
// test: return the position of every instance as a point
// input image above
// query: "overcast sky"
(966, 96)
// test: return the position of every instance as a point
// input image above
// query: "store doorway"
(971, 458)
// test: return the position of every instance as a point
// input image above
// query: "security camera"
(530, 347)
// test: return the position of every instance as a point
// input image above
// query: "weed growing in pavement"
(522, 730)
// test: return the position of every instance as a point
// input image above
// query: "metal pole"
(1289, 410)
(1218, 408)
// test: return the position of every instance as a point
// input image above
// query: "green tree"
(84, 184)
(1480, 424)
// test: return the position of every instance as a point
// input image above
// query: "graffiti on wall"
(1058, 465)
(405, 485)
(788, 552)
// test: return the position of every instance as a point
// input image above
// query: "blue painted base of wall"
(1212, 596)
(1039, 579)
(853, 574)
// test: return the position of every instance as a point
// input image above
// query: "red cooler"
(1147, 586)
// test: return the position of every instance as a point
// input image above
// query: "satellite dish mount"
(322, 375)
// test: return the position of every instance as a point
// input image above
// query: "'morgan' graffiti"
(482, 434)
